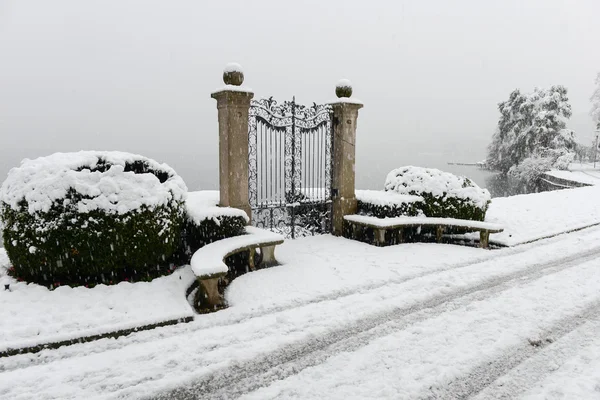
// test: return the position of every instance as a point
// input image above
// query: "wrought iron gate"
(290, 147)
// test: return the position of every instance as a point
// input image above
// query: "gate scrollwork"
(290, 163)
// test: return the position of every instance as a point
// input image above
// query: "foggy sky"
(137, 75)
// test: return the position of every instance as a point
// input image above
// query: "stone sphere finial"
(343, 88)
(233, 74)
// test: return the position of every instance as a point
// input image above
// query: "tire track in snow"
(75, 350)
(334, 295)
(248, 376)
(486, 374)
(547, 359)
(103, 345)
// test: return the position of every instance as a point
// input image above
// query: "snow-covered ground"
(341, 319)
(32, 314)
(524, 217)
(584, 166)
(579, 172)
(588, 177)
(530, 217)
(569, 369)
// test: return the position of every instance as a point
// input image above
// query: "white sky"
(137, 75)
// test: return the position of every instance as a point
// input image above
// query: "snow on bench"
(208, 262)
(418, 221)
(382, 224)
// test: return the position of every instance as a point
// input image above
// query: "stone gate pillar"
(233, 104)
(345, 114)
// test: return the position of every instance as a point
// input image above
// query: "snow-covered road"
(472, 322)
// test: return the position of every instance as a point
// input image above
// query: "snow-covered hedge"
(444, 194)
(206, 222)
(381, 204)
(90, 217)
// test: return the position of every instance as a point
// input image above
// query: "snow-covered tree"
(501, 152)
(531, 125)
(595, 99)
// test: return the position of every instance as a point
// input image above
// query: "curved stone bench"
(380, 225)
(208, 262)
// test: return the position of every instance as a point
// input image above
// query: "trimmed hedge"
(208, 231)
(414, 191)
(451, 207)
(63, 231)
(195, 235)
(431, 206)
(404, 209)
(443, 194)
(206, 222)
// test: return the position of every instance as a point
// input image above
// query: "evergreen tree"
(531, 125)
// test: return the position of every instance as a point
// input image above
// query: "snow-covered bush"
(529, 171)
(381, 204)
(562, 162)
(90, 217)
(205, 222)
(444, 194)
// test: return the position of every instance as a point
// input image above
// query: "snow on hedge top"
(105, 179)
(202, 205)
(417, 180)
(385, 199)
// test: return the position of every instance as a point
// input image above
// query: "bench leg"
(208, 297)
(251, 265)
(268, 256)
(355, 231)
(484, 239)
(439, 232)
(380, 237)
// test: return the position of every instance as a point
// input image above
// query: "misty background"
(136, 76)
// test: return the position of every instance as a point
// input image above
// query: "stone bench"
(381, 225)
(208, 262)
